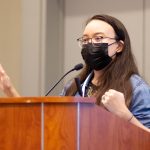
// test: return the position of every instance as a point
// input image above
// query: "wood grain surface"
(20, 127)
(60, 126)
(100, 129)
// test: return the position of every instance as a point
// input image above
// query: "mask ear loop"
(117, 40)
(112, 44)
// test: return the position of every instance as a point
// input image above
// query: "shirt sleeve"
(140, 104)
(64, 90)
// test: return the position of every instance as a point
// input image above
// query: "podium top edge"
(50, 99)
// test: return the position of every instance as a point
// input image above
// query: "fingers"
(4, 79)
(106, 97)
(3, 75)
(2, 72)
(111, 95)
(103, 100)
(114, 102)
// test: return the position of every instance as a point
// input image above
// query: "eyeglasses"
(94, 40)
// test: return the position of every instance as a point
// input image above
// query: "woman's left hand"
(114, 102)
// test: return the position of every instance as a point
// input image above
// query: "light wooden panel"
(20, 126)
(60, 126)
(100, 129)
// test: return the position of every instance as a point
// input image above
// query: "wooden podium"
(65, 123)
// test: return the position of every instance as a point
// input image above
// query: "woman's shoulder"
(66, 87)
(140, 104)
(141, 93)
(138, 82)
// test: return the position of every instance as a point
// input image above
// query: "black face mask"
(96, 57)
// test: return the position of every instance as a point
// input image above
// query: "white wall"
(38, 37)
(146, 41)
(10, 39)
(32, 48)
(54, 52)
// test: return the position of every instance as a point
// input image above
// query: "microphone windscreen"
(78, 66)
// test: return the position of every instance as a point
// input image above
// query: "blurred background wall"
(10, 39)
(38, 38)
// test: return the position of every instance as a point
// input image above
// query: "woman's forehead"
(98, 26)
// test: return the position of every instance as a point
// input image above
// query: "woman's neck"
(96, 78)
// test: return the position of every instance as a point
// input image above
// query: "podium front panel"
(60, 126)
(65, 123)
(20, 126)
(100, 129)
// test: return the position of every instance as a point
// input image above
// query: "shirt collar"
(85, 83)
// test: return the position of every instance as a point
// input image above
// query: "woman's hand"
(4, 80)
(6, 85)
(114, 102)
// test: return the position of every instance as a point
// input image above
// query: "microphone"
(76, 67)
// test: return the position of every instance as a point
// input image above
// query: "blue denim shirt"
(140, 103)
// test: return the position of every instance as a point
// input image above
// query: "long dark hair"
(117, 75)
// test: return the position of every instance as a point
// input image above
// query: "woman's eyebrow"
(85, 35)
(97, 33)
